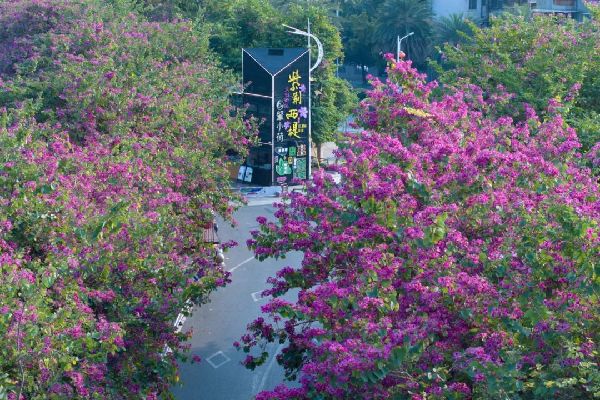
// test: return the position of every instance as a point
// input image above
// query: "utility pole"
(309, 168)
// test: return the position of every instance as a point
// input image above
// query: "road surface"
(217, 324)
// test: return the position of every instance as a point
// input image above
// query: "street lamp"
(309, 36)
(400, 39)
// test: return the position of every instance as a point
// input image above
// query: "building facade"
(477, 10)
(571, 8)
(480, 10)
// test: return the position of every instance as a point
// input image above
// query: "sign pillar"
(291, 122)
(275, 92)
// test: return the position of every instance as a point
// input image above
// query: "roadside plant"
(113, 134)
(456, 259)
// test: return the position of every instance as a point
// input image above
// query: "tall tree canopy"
(400, 17)
(456, 259)
(113, 131)
(535, 59)
(370, 28)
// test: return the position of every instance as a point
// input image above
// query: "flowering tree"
(113, 132)
(456, 259)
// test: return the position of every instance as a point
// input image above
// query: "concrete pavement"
(216, 325)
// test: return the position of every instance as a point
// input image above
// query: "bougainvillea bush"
(457, 259)
(113, 132)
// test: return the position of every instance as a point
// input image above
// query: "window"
(472, 4)
(564, 3)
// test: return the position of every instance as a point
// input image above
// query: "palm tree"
(400, 17)
(452, 29)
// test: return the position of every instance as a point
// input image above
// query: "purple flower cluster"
(428, 270)
(112, 143)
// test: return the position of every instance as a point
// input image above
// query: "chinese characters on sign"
(291, 126)
(296, 116)
(277, 93)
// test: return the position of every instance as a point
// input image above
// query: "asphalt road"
(216, 325)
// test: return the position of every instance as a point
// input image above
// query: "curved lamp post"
(296, 31)
(400, 39)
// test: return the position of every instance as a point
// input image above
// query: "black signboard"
(276, 91)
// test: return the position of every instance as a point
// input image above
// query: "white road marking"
(225, 359)
(263, 382)
(242, 263)
(179, 322)
(256, 296)
(182, 318)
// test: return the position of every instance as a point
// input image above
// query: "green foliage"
(400, 17)
(358, 21)
(256, 23)
(359, 41)
(332, 103)
(452, 29)
(240, 23)
(594, 8)
(371, 28)
(537, 60)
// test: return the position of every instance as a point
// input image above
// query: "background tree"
(537, 60)
(453, 29)
(400, 17)
(370, 28)
(241, 23)
(359, 40)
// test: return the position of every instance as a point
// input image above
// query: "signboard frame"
(290, 119)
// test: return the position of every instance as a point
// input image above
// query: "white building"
(480, 10)
(473, 9)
